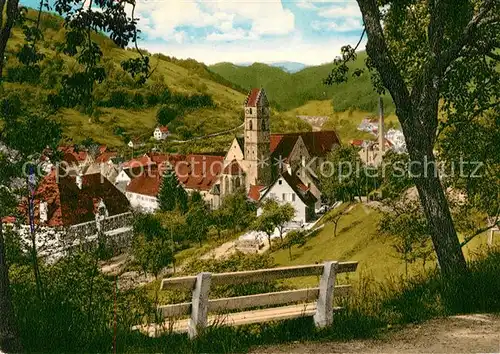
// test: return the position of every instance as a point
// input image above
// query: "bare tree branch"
(480, 231)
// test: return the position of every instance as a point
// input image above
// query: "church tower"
(257, 143)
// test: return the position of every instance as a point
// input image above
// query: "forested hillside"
(183, 93)
(288, 91)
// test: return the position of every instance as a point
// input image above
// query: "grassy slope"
(357, 240)
(294, 90)
(345, 123)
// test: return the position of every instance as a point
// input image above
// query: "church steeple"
(257, 140)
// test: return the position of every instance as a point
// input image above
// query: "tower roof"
(254, 96)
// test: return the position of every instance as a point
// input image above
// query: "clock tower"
(257, 144)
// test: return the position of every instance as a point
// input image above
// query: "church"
(266, 165)
(275, 165)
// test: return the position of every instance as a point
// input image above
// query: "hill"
(291, 90)
(358, 239)
(204, 101)
(345, 123)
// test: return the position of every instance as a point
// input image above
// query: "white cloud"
(295, 48)
(162, 19)
(348, 9)
(231, 35)
(306, 5)
(344, 25)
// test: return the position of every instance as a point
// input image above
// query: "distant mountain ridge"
(289, 90)
(288, 66)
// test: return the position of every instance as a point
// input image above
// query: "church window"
(250, 125)
(250, 111)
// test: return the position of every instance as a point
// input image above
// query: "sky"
(242, 31)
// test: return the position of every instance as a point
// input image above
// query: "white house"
(161, 132)
(289, 189)
(142, 191)
(369, 125)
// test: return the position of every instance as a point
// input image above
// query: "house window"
(284, 196)
(293, 197)
(280, 182)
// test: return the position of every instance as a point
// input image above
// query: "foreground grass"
(373, 308)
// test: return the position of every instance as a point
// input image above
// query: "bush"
(138, 100)
(119, 99)
(166, 114)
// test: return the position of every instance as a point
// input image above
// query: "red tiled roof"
(163, 129)
(199, 172)
(142, 161)
(71, 154)
(148, 183)
(68, 205)
(317, 143)
(254, 192)
(233, 168)
(105, 157)
(357, 142)
(253, 98)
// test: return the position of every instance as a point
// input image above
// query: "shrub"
(166, 114)
(138, 100)
(119, 99)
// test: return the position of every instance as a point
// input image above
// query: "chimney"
(79, 180)
(43, 212)
(381, 132)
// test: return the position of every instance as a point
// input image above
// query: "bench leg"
(199, 311)
(324, 306)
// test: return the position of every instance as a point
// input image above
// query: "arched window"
(250, 125)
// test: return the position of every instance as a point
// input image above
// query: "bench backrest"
(200, 286)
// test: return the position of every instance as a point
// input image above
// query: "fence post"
(199, 307)
(324, 307)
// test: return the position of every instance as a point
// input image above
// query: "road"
(457, 334)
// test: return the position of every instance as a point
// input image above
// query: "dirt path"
(458, 334)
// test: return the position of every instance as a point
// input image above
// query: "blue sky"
(238, 31)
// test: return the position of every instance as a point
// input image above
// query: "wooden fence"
(316, 302)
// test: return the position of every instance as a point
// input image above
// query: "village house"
(72, 210)
(253, 163)
(161, 132)
(288, 188)
(194, 173)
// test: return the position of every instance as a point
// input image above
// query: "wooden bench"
(316, 302)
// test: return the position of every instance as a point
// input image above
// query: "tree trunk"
(420, 143)
(9, 338)
(10, 12)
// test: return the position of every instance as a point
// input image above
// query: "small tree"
(171, 195)
(344, 181)
(198, 218)
(175, 224)
(406, 222)
(151, 246)
(240, 212)
(274, 216)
